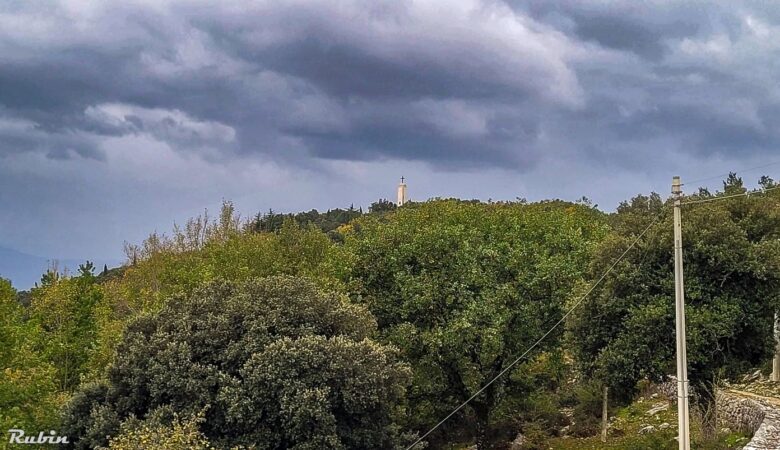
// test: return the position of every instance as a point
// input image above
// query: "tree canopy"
(273, 362)
(351, 330)
(28, 387)
(464, 288)
(625, 330)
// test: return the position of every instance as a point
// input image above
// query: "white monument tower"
(402, 198)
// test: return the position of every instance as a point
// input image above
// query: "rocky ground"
(748, 414)
(648, 423)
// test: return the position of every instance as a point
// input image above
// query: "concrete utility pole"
(683, 436)
(604, 415)
(776, 359)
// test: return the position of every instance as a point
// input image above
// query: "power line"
(584, 296)
(544, 336)
(724, 197)
(727, 174)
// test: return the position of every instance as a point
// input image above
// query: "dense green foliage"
(327, 221)
(624, 331)
(64, 310)
(274, 363)
(352, 330)
(28, 388)
(464, 288)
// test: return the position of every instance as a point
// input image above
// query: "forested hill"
(356, 330)
(326, 221)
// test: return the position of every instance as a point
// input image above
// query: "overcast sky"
(119, 119)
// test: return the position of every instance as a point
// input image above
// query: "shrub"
(275, 363)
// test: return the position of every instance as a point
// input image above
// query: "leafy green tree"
(173, 265)
(625, 330)
(766, 182)
(28, 393)
(50, 277)
(23, 298)
(463, 288)
(267, 222)
(199, 253)
(733, 184)
(63, 308)
(87, 270)
(274, 362)
(327, 222)
(382, 206)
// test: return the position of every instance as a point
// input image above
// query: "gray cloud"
(305, 73)
(646, 29)
(537, 90)
(370, 81)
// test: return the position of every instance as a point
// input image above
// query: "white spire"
(402, 198)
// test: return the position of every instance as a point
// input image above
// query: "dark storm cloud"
(117, 118)
(643, 28)
(20, 136)
(616, 33)
(454, 84)
(314, 86)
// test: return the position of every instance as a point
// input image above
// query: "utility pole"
(604, 414)
(776, 359)
(683, 435)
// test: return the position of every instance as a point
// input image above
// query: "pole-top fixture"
(676, 185)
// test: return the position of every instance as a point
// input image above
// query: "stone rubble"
(657, 408)
(647, 429)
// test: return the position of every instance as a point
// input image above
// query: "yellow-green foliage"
(63, 310)
(180, 435)
(241, 256)
(169, 267)
(28, 391)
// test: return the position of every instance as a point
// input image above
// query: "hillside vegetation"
(352, 330)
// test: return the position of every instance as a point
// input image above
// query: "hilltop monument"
(402, 197)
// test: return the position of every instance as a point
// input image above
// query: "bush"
(274, 362)
(88, 417)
